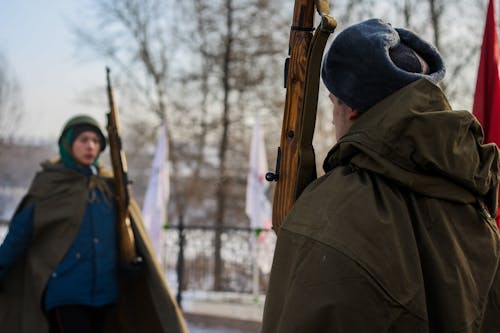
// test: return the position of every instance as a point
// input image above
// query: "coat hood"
(414, 138)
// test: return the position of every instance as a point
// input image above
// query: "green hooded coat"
(399, 235)
(59, 195)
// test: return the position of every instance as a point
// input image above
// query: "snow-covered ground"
(204, 328)
(237, 306)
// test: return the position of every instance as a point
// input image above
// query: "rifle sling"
(307, 162)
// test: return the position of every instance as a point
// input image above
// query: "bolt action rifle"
(295, 163)
(126, 241)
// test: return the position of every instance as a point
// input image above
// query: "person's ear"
(353, 114)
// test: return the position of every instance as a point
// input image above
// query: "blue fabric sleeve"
(17, 239)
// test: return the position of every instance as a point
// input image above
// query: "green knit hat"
(82, 120)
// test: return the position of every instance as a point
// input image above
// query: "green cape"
(60, 195)
(399, 235)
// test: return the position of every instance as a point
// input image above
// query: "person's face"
(86, 148)
(342, 117)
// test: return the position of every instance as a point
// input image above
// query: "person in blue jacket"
(83, 286)
(59, 267)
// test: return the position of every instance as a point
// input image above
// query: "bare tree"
(10, 99)
(240, 55)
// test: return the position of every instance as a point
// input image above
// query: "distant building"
(19, 161)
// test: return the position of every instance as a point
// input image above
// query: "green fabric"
(398, 236)
(146, 303)
(65, 148)
(60, 195)
(422, 146)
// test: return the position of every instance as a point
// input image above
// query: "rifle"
(295, 163)
(126, 242)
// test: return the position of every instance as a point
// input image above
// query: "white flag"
(154, 209)
(258, 207)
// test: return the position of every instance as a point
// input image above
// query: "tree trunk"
(221, 189)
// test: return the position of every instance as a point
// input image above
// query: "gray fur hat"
(370, 60)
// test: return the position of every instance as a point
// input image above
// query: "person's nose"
(92, 145)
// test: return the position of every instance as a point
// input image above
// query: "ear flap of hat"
(358, 68)
(406, 59)
(428, 52)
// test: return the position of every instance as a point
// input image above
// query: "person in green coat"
(399, 235)
(59, 267)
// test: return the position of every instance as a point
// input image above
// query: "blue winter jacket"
(87, 275)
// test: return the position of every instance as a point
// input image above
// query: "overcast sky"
(36, 39)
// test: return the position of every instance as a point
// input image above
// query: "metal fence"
(246, 256)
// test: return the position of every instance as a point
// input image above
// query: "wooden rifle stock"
(295, 165)
(126, 241)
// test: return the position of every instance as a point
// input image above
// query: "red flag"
(487, 97)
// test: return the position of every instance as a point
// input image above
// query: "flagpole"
(255, 265)
(257, 206)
